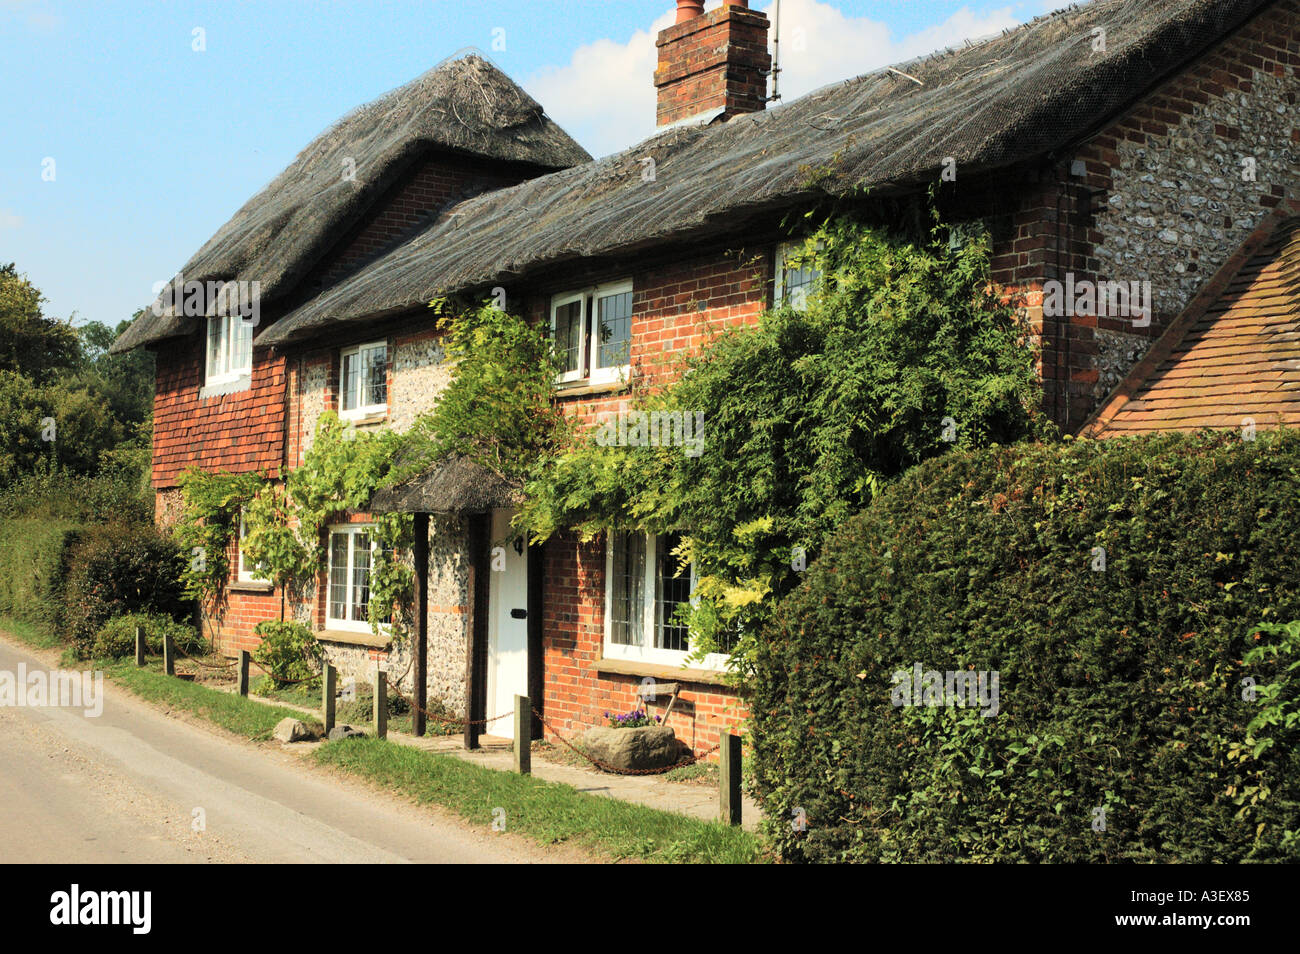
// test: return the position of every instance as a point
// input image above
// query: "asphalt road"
(124, 787)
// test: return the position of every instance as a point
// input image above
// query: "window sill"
(580, 388)
(350, 638)
(250, 586)
(623, 667)
(361, 420)
(242, 383)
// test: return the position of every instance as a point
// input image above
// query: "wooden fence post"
(169, 655)
(243, 672)
(523, 736)
(327, 695)
(729, 778)
(381, 704)
(139, 648)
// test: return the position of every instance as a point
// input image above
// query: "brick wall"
(677, 308)
(428, 187)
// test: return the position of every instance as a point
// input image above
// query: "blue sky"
(155, 145)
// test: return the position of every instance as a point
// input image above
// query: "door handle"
(519, 614)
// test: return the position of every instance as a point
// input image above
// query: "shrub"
(116, 638)
(116, 569)
(289, 651)
(1115, 587)
(33, 564)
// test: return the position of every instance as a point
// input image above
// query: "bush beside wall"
(1121, 689)
(115, 569)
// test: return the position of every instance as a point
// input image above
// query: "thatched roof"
(463, 105)
(454, 485)
(1031, 91)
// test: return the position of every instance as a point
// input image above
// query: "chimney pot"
(689, 10)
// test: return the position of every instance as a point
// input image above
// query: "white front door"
(507, 669)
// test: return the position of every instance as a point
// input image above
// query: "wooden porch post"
(480, 571)
(420, 554)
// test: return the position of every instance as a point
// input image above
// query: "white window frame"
(618, 372)
(648, 653)
(227, 371)
(588, 341)
(783, 252)
(558, 302)
(363, 410)
(244, 574)
(353, 530)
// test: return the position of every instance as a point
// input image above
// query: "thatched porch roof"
(463, 105)
(1027, 93)
(455, 485)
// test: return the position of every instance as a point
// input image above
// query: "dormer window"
(592, 330)
(230, 349)
(363, 381)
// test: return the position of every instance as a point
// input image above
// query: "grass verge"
(548, 812)
(33, 634)
(234, 713)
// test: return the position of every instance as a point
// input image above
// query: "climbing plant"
(905, 350)
(210, 520)
(498, 408)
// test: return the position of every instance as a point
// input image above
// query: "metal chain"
(600, 764)
(689, 760)
(200, 662)
(444, 719)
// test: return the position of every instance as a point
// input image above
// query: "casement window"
(230, 349)
(796, 280)
(363, 381)
(645, 583)
(592, 330)
(246, 571)
(352, 551)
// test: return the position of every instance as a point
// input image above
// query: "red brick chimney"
(712, 62)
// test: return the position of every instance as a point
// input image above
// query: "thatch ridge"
(463, 105)
(1027, 92)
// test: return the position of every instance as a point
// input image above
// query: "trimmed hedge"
(33, 565)
(1121, 695)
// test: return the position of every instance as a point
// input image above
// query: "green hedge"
(1120, 689)
(33, 565)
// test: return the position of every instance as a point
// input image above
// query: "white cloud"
(10, 220)
(605, 95)
(35, 13)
